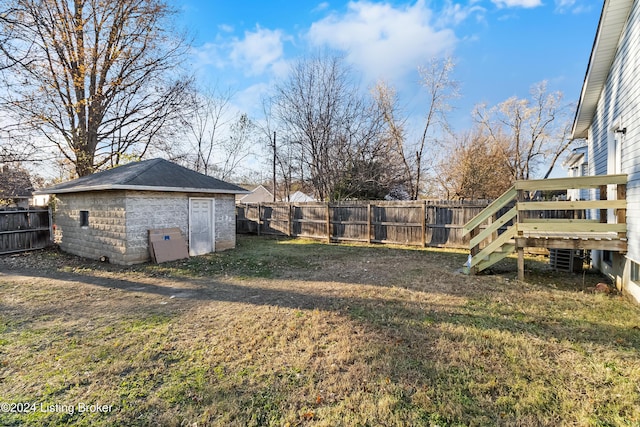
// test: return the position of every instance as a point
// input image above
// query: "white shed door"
(201, 226)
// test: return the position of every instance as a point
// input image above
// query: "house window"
(607, 257)
(84, 218)
(635, 272)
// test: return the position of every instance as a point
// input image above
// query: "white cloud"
(258, 50)
(517, 3)
(572, 6)
(382, 40)
(455, 13)
(322, 6)
(226, 28)
(209, 54)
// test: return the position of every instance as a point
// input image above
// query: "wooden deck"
(567, 240)
(527, 224)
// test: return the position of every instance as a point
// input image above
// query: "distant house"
(110, 213)
(577, 164)
(15, 187)
(300, 197)
(258, 195)
(608, 117)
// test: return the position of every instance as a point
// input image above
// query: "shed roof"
(147, 175)
(612, 20)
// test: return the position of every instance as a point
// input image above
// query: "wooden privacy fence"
(24, 229)
(419, 223)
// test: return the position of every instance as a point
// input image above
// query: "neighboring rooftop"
(150, 175)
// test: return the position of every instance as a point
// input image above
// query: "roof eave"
(82, 189)
(574, 158)
(612, 21)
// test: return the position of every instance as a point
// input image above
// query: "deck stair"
(514, 221)
(498, 246)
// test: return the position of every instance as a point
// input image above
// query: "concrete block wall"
(106, 233)
(151, 210)
(225, 221)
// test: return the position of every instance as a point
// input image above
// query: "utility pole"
(274, 165)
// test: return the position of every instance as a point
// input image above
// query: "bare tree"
(102, 76)
(9, 21)
(473, 167)
(210, 114)
(441, 89)
(386, 100)
(537, 128)
(219, 137)
(338, 133)
(236, 147)
(15, 184)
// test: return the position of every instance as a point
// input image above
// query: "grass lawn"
(296, 333)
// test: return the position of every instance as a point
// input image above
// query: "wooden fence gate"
(24, 229)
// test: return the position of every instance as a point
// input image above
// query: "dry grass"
(301, 333)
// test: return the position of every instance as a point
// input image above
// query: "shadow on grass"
(386, 314)
(404, 348)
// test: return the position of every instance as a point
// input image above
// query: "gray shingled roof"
(150, 175)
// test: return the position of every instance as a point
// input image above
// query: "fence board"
(24, 229)
(419, 223)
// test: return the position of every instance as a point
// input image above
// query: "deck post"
(474, 250)
(520, 198)
(603, 196)
(621, 194)
(520, 264)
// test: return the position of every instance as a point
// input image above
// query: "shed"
(110, 213)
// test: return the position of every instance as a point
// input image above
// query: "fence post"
(369, 215)
(259, 216)
(290, 219)
(52, 238)
(424, 223)
(328, 223)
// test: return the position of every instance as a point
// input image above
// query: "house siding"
(618, 104)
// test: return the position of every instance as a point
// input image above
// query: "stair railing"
(481, 233)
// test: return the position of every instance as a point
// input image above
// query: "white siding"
(620, 101)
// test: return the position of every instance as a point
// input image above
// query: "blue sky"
(501, 47)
